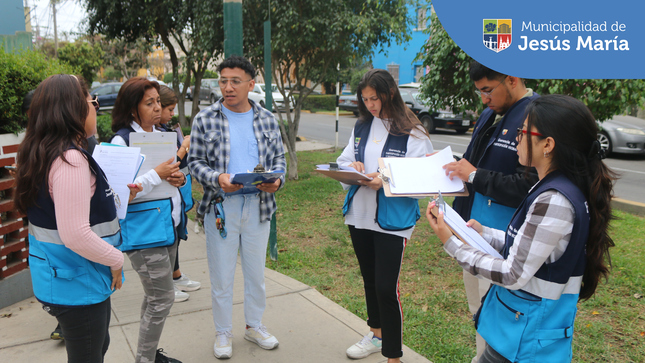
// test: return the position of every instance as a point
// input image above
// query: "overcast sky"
(69, 16)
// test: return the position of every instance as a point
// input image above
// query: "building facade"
(398, 59)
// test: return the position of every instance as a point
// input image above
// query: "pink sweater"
(71, 188)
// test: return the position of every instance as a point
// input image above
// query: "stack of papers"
(465, 233)
(424, 175)
(120, 165)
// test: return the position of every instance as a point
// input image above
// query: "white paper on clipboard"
(158, 147)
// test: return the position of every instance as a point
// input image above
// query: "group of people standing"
(539, 193)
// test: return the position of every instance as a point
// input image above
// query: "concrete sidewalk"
(310, 327)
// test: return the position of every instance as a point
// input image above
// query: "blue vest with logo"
(500, 155)
(59, 275)
(392, 214)
(526, 326)
(149, 224)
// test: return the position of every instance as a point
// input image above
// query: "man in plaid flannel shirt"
(232, 136)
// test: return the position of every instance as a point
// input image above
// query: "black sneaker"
(57, 334)
(162, 358)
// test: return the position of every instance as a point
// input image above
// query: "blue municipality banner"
(556, 39)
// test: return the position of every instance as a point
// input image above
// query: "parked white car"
(258, 94)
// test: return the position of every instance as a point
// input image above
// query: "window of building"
(393, 68)
(422, 20)
(419, 71)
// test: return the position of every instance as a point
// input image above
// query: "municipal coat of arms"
(498, 34)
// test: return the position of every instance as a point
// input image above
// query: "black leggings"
(490, 355)
(379, 256)
(85, 329)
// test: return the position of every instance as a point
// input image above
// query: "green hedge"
(104, 127)
(320, 103)
(21, 72)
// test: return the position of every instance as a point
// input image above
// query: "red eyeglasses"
(521, 132)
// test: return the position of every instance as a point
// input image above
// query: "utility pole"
(53, 2)
(232, 28)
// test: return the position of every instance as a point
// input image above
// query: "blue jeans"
(85, 329)
(248, 235)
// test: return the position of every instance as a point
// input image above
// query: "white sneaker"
(180, 295)
(261, 337)
(368, 345)
(223, 348)
(184, 283)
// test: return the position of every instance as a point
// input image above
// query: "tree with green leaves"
(448, 86)
(194, 27)
(309, 40)
(84, 56)
(126, 57)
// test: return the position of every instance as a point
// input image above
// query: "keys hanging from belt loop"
(219, 217)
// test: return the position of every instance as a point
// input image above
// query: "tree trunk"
(293, 165)
(175, 79)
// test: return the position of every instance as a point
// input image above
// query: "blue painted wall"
(12, 16)
(404, 54)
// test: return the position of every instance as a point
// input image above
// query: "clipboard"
(389, 179)
(459, 228)
(345, 174)
(158, 147)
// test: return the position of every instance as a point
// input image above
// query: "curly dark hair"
(235, 61)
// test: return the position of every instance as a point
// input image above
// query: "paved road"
(322, 128)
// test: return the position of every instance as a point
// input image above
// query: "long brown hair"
(167, 96)
(56, 121)
(402, 119)
(577, 155)
(127, 101)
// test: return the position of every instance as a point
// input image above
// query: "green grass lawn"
(315, 248)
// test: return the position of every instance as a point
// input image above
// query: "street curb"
(628, 206)
(330, 113)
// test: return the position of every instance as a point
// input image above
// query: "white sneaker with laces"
(366, 346)
(261, 337)
(223, 348)
(180, 295)
(184, 283)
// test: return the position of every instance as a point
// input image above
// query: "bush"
(104, 127)
(320, 102)
(21, 72)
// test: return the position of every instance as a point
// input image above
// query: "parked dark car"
(348, 103)
(106, 94)
(189, 93)
(622, 134)
(432, 119)
(209, 91)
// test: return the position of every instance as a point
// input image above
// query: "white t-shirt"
(362, 211)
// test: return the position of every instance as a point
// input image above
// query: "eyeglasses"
(234, 82)
(521, 132)
(481, 93)
(95, 103)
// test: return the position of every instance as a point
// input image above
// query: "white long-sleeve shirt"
(363, 208)
(151, 179)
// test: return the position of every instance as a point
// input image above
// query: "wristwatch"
(471, 177)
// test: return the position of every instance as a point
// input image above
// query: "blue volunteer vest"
(149, 224)
(525, 326)
(59, 275)
(499, 155)
(392, 214)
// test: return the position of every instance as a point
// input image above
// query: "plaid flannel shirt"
(210, 151)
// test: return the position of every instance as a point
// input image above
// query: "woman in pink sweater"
(73, 226)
